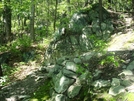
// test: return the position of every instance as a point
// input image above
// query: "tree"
(1, 72)
(100, 13)
(55, 14)
(32, 31)
(7, 19)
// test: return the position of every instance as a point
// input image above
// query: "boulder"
(71, 66)
(73, 90)
(60, 97)
(116, 90)
(131, 66)
(61, 83)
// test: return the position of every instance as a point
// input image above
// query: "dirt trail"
(123, 40)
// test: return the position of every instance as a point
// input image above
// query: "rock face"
(77, 38)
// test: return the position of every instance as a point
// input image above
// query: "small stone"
(60, 97)
(101, 83)
(69, 73)
(131, 66)
(124, 67)
(126, 72)
(85, 77)
(115, 82)
(126, 83)
(61, 83)
(97, 73)
(116, 90)
(71, 66)
(73, 90)
(60, 60)
(87, 56)
(77, 60)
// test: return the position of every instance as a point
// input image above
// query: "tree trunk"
(55, 15)
(1, 73)
(48, 14)
(7, 19)
(100, 13)
(32, 31)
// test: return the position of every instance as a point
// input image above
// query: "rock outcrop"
(77, 37)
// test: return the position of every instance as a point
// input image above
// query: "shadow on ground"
(22, 89)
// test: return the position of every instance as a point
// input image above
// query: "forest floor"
(29, 77)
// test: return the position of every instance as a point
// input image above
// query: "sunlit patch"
(123, 41)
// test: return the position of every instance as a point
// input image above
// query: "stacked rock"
(68, 76)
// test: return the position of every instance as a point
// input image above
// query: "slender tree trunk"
(55, 15)
(32, 31)
(1, 72)
(7, 19)
(48, 13)
(100, 13)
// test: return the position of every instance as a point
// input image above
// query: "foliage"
(110, 59)
(45, 10)
(23, 42)
(3, 80)
(98, 44)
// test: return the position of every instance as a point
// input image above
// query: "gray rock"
(126, 72)
(71, 66)
(115, 82)
(101, 83)
(129, 77)
(126, 83)
(116, 90)
(69, 73)
(53, 70)
(77, 60)
(60, 97)
(61, 83)
(124, 67)
(60, 60)
(131, 66)
(87, 56)
(73, 90)
(85, 78)
(97, 73)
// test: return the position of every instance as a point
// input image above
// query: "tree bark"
(1, 72)
(7, 18)
(48, 14)
(32, 31)
(55, 15)
(100, 13)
